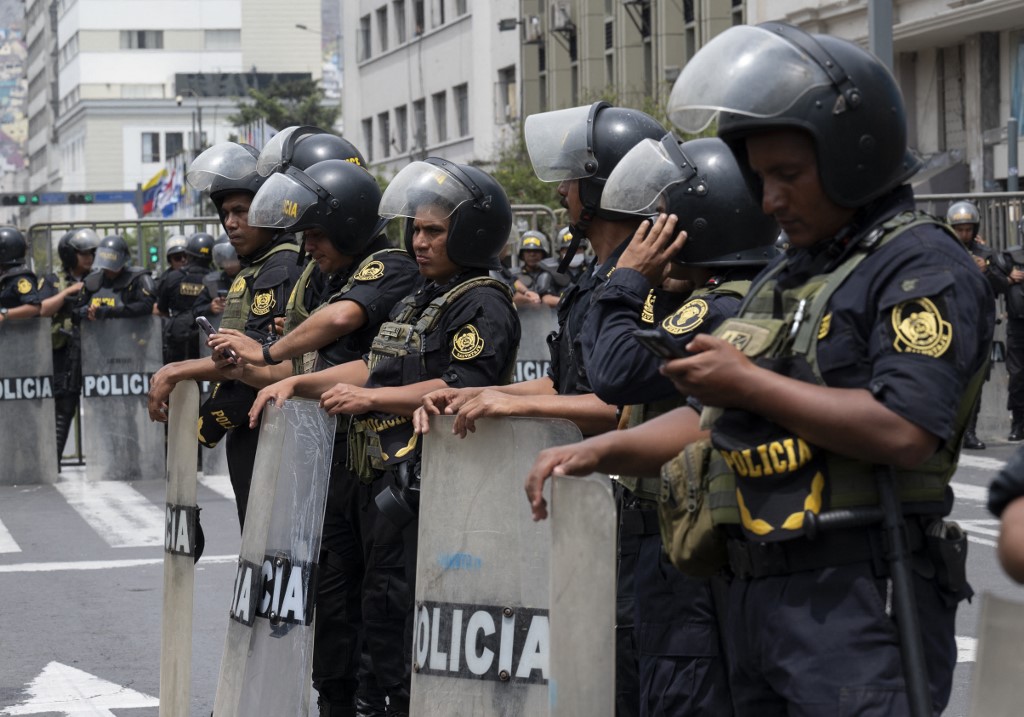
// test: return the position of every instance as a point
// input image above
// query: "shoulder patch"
(467, 343)
(42, 281)
(647, 314)
(263, 302)
(824, 326)
(372, 271)
(686, 318)
(24, 285)
(238, 285)
(920, 329)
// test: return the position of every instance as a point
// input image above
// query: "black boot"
(1017, 427)
(972, 442)
(334, 709)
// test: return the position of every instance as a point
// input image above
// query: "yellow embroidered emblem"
(238, 285)
(647, 314)
(24, 285)
(920, 328)
(263, 302)
(370, 272)
(467, 343)
(824, 326)
(686, 318)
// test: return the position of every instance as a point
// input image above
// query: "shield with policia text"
(481, 632)
(179, 551)
(118, 358)
(996, 688)
(268, 651)
(534, 357)
(27, 441)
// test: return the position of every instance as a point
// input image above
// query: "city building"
(429, 78)
(118, 89)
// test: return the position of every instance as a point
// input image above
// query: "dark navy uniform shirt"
(179, 288)
(18, 287)
(128, 295)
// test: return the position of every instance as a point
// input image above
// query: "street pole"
(1012, 135)
(880, 30)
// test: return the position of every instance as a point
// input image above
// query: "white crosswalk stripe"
(115, 510)
(7, 543)
(220, 484)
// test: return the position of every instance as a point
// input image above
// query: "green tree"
(286, 104)
(514, 172)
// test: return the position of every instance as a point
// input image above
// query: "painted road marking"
(74, 693)
(115, 510)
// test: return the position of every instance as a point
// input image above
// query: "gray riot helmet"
(200, 248)
(304, 146)
(73, 242)
(711, 193)
(111, 254)
(776, 76)
(13, 246)
(963, 212)
(478, 208)
(533, 240)
(337, 196)
(224, 169)
(176, 244)
(223, 239)
(224, 255)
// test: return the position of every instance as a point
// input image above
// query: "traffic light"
(80, 198)
(154, 255)
(18, 200)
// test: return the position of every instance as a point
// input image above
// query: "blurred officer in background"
(60, 290)
(19, 295)
(178, 291)
(116, 289)
(537, 282)
(213, 296)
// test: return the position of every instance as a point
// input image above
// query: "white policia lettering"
(26, 388)
(277, 590)
(116, 384)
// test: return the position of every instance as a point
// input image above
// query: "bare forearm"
(313, 385)
(260, 376)
(25, 311)
(1011, 540)
(403, 400)
(536, 387)
(587, 411)
(322, 328)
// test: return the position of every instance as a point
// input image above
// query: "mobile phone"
(658, 344)
(204, 323)
(222, 293)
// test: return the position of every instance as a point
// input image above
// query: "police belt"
(638, 522)
(749, 559)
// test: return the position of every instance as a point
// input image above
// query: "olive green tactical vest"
(796, 333)
(239, 298)
(62, 323)
(404, 336)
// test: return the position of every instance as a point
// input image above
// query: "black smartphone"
(204, 323)
(222, 293)
(658, 344)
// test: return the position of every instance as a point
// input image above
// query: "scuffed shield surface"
(27, 441)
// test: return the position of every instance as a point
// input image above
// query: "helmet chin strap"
(578, 231)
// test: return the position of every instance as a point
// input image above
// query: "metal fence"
(1000, 213)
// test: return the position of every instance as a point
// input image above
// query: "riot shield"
(996, 690)
(118, 358)
(534, 358)
(582, 610)
(179, 551)
(268, 652)
(28, 440)
(480, 640)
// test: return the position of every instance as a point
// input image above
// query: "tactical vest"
(296, 311)
(62, 323)
(239, 298)
(376, 443)
(796, 333)
(651, 488)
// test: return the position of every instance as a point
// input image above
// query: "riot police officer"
(116, 289)
(60, 291)
(864, 347)
(255, 300)
(175, 253)
(1011, 262)
(19, 296)
(458, 328)
(339, 303)
(574, 266)
(537, 281)
(212, 298)
(178, 291)
(965, 219)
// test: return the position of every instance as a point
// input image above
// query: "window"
(401, 129)
(398, 10)
(438, 16)
(363, 51)
(440, 103)
(507, 109)
(368, 138)
(382, 27)
(174, 143)
(419, 116)
(222, 39)
(142, 39)
(150, 147)
(737, 12)
(461, 98)
(68, 51)
(384, 126)
(417, 11)
(461, 8)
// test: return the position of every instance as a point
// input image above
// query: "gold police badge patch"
(24, 285)
(238, 285)
(920, 328)
(686, 318)
(263, 302)
(467, 343)
(372, 271)
(647, 314)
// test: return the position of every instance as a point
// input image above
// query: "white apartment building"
(118, 87)
(960, 65)
(429, 78)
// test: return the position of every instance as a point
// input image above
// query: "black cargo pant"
(1015, 367)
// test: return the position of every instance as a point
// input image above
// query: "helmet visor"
(109, 258)
(221, 161)
(279, 148)
(558, 144)
(640, 178)
(745, 70)
(423, 184)
(280, 203)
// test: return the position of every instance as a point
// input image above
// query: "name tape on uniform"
(115, 384)
(26, 388)
(482, 642)
(277, 590)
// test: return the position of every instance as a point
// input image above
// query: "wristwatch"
(266, 356)
(3, 311)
